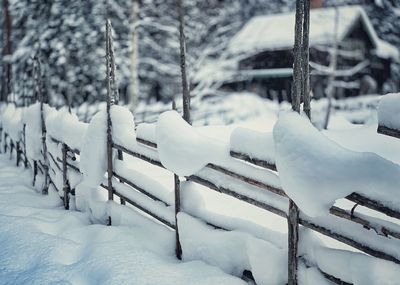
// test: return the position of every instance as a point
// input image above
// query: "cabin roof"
(273, 32)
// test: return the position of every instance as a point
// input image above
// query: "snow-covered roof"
(273, 32)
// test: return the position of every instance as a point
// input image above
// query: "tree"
(7, 51)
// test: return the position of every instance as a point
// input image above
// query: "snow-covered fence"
(234, 179)
(389, 115)
(244, 169)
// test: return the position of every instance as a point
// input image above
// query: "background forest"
(68, 39)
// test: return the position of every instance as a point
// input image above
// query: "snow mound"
(67, 128)
(232, 251)
(147, 131)
(33, 131)
(315, 171)
(123, 123)
(93, 163)
(389, 111)
(355, 268)
(182, 149)
(12, 122)
(255, 144)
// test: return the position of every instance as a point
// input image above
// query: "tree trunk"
(7, 46)
(306, 59)
(134, 86)
(330, 89)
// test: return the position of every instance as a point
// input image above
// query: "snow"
(93, 158)
(181, 148)
(389, 111)
(143, 181)
(351, 267)
(232, 251)
(44, 244)
(147, 131)
(315, 171)
(93, 166)
(255, 144)
(366, 139)
(12, 122)
(229, 214)
(276, 31)
(66, 127)
(158, 208)
(123, 122)
(33, 132)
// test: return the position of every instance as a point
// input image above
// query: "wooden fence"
(375, 233)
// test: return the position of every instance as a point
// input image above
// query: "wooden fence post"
(306, 58)
(18, 150)
(178, 246)
(112, 98)
(35, 171)
(177, 193)
(66, 187)
(299, 91)
(24, 142)
(39, 91)
(182, 44)
(5, 142)
(1, 137)
(11, 148)
(120, 156)
(186, 114)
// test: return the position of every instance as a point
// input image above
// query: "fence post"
(186, 114)
(18, 149)
(11, 147)
(5, 142)
(112, 97)
(24, 142)
(306, 59)
(35, 171)
(39, 90)
(178, 247)
(1, 136)
(298, 92)
(177, 193)
(66, 188)
(120, 156)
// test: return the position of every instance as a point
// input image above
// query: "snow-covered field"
(41, 243)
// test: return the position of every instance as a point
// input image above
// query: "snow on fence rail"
(389, 115)
(245, 171)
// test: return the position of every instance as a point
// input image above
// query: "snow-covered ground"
(41, 243)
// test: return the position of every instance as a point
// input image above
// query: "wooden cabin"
(262, 51)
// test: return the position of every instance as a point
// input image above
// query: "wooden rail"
(389, 132)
